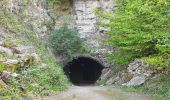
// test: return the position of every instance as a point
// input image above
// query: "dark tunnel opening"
(83, 71)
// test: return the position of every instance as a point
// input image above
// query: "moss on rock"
(8, 44)
(12, 65)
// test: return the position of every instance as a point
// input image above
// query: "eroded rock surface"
(137, 72)
(35, 14)
(85, 23)
(140, 71)
(6, 51)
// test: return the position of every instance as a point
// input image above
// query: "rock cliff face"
(85, 23)
(23, 16)
(137, 73)
(140, 71)
(32, 12)
(30, 17)
(19, 18)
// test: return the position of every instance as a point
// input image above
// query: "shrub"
(34, 79)
(139, 28)
(66, 42)
(161, 61)
(51, 3)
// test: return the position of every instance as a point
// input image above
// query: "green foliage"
(13, 23)
(8, 19)
(1, 66)
(158, 86)
(52, 78)
(139, 28)
(66, 42)
(36, 80)
(158, 61)
(155, 60)
(118, 58)
(51, 3)
(33, 80)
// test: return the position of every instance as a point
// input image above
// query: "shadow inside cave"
(83, 70)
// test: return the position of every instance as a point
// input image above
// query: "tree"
(138, 28)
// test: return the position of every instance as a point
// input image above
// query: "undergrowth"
(158, 87)
(32, 80)
(138, 29)
(66, 43)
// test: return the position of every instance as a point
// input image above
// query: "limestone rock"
(43, 66)
(11, 62)
(2, 59)
(7, 51)
(89, 31)
(140, 71)
(1, 43)
(5, 75)
(121, 77)
(25, 59)
(35, 14)
(139, 67)
(14, 75)
(106, 74)
(137, 80)
(110, 81)
(12, 65)
(36, 58)
(23, 49)
(2, 84)
(8, 44)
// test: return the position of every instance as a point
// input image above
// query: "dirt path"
(96, 93)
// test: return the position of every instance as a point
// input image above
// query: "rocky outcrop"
(106, 74)
(16, 50)
(137, 73)
(137, 80)
(10, 65)
(6, 51)
(85, 23)
(20, 21)
(23, 49)
(2, 84)
(140, 71)
(22, 24)
(12, 61)
(32, 12)
(29, 18)
(121, 77)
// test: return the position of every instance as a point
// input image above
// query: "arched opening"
(83, 70)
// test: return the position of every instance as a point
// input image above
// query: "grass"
(158, 61)
(32, 80)
(1, 66)
(35, 80)
(159, 87)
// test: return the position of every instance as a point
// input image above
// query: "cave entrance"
(83, 70)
